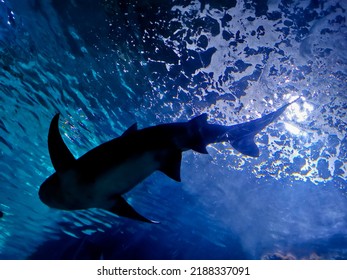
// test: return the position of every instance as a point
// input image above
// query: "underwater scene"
(105, 65)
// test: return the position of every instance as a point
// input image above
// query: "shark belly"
(115, 181)
(121, 178)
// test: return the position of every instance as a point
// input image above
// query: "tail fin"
(246, 146)
(241, 136)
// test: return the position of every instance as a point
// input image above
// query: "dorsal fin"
(197, 124)
(200, 120)
(61, 157)
(130, 129)
(171, 167)
(246, 146)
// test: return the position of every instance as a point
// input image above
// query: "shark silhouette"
(99, 178)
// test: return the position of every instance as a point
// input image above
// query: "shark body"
(99, 178)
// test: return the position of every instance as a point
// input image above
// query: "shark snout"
(48, 191)
(43, 195)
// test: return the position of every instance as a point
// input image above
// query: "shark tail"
(240, 136)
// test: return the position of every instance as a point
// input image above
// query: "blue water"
(107, 64)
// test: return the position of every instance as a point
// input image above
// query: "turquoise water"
(107, 64)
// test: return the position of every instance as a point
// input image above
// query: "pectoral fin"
(171, 167)
(123, 209)
(61, 157)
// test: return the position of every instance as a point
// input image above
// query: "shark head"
(50, 192)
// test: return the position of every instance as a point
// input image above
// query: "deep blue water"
(107, 64)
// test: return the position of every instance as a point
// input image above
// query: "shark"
(100, 177)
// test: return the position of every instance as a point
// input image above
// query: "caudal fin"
(241, 136)
(246, 146)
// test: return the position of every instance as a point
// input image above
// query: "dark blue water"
(107, 64)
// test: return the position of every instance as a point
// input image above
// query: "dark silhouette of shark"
(99, 178)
